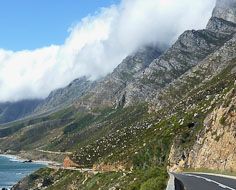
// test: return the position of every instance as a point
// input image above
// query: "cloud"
(97, 44)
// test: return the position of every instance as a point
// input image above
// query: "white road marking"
(212, 181)
(213, 174)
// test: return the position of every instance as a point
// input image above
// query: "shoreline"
(17, 158)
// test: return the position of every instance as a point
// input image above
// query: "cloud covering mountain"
(97, 44)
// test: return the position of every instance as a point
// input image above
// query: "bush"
(153, 184)
(47, 181)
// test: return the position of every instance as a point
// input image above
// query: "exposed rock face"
(65, 96)
(68, 163)
(215, 145)
(221, 26)
(191, 48)
(208, 68)
(225, 9)
(215, 148)
(110, 91)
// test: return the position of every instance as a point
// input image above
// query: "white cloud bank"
(98, 44)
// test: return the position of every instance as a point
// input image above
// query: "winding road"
(195, 181)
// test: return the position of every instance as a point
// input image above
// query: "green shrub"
(154, 184)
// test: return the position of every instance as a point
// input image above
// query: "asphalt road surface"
(193, 181)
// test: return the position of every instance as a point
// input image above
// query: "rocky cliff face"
(215, 147)
(63, 97)
(191, 48)
(68, 163)
(226, 10)
(110, 91)
(222, 59)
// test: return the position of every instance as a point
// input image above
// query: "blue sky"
(31, 24)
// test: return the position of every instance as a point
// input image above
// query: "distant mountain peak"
(225, 9)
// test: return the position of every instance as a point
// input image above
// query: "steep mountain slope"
(199, 93)
(65, 96)
(225, 9)
(87, 93)
(109, 92)
(219, 137)
(191, 48)
(182, 104)
(207, 69)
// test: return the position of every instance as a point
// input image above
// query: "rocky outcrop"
(221, 26)
(110, 91)
(63, 97)
(226, 10)
(223, 58)
(215, 148)
(190, 49)
(68, 163)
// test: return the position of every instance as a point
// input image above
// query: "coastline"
(17, 158)
(17, 170)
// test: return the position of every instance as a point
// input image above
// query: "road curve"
(193, 181)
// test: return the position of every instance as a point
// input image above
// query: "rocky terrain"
(65, 96)
(219, 137)
(159, 110)
(111, 91)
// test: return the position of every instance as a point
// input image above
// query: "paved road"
(194, 181)
(53, 152)
(82, 170)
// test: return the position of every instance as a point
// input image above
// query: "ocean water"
(13, 170)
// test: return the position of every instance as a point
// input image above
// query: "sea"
(13, 170)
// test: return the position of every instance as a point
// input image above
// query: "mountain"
(182, 82)
(10, 111)
(57, 99)
(86, 93)
(110, 91)
(225, 9)
(63, 97)
(158, 111)
(125, 86)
